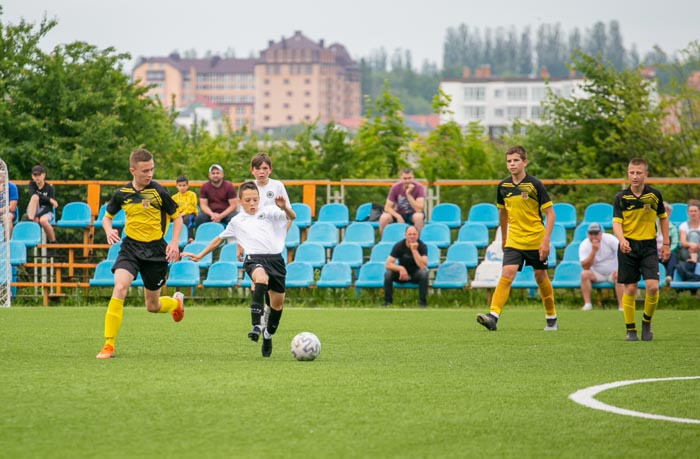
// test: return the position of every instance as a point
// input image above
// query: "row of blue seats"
(223, 274)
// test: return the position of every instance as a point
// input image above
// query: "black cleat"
(631, 335)
(266, 347)
(254, 334)
(647, 335)
(487, 320)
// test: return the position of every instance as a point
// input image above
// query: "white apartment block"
(496, 103)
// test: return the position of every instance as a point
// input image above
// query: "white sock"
(266, 335)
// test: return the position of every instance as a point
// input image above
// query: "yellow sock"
(113, 319)
(628, 309)
(167, 303)
(500, 295)
(650, 303)
(547, 294)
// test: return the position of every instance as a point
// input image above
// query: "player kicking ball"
(261, 232)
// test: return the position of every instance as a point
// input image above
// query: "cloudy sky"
(157, 27)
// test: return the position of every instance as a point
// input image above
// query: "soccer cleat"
(254, 334)
(107, 352)
(647, 335)
(266, 349)
(179, 312)
(631, 335)
(551, 325)
(487, 320)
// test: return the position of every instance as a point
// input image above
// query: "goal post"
(5, 222)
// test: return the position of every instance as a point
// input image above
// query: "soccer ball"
(306, 346)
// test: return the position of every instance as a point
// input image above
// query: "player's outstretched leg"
(270, 329)
(256, 310)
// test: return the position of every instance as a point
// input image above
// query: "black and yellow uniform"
(637, 215)
(148, 213)
(524, 202)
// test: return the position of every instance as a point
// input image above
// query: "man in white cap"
(598, 256)
(218, 200)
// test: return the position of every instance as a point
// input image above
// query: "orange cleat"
(107, 352)
(179, 312)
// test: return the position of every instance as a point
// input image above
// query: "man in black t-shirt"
(412, 256)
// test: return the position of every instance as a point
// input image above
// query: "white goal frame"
(5, 220)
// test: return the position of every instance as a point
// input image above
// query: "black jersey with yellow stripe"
(638, 214)
(147, 211)
(524, 203)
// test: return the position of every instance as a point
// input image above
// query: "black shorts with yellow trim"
(147, 258)
(642, 260)
(520, 258)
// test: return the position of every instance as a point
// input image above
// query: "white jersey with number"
(263, 233)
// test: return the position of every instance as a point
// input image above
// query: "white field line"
(586, 398)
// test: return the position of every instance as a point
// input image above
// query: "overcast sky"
(157, 27)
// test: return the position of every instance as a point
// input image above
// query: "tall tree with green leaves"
(382, 139)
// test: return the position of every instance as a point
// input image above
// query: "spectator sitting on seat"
(598, 256)
(218, 200)
(412, 255)
(689, 232)
(671, 263)
(41, 202)
(9, 213)
(187, 202)
(405, 203)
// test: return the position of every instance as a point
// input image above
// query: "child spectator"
(187, 203)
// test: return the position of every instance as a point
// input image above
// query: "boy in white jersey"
(261, 231)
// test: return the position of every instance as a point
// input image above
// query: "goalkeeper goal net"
(5, 222)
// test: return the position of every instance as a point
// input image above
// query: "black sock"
(273, 321)
(257, 302)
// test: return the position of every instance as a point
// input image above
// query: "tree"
(382, 139)
(615, 51)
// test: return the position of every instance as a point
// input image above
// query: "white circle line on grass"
(586, 397)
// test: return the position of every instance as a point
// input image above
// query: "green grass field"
(388, 383)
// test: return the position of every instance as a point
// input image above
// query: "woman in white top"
(689, 232)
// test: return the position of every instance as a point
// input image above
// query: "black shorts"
(147, 258)
(642, 260)
(274, 267)
(519, 257)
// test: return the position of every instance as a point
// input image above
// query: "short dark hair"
(139, 155)
(406, 170)
(247, 186)
(260, 159)
(517, 150)
(181, 178)
(639, 162)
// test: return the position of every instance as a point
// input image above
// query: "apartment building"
(496, 102)
(294, 80)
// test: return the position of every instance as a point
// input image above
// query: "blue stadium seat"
(525, 278)
(380, 252)
(322, 233)
(18, 253)
(463, 252)
(436, 233)
(679, 213)
(228, 254)
(113, 251)
(299, 275)
(599, 212)
(371, 276)
(447, 213)
(207, 231)
(221, 274)
(363, 212)
(348, 252)
(184, 273)
(558, 238)
(678, 283)
(103, 276)
(246, 282)
(433, 253)
(361, 233)
(571, 252)
(75, 215)
(394, 232)
(293, 238)
(567, 275)
(484, 213)
(303, 212)
(581, 232)
(117, 222)
(476, 233)
(565, 214)
(196, 247)
(168, 236)
(28, 233)
(552, 258)
(336, 214)
(335, 275)
(662, 278)
(451, 275)
(311, 253)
